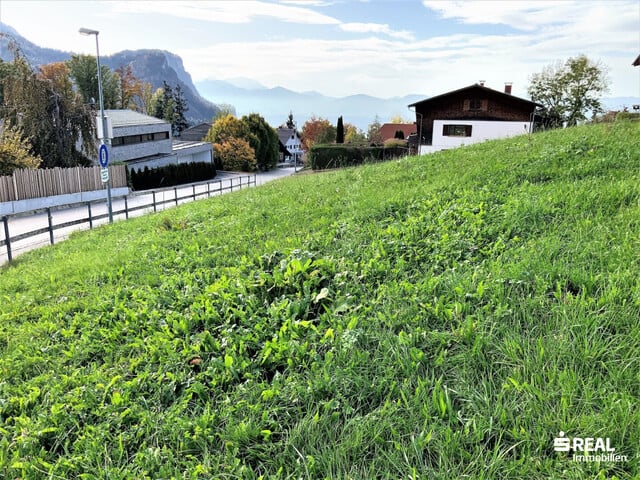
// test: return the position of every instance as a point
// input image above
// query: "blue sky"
(384, 48)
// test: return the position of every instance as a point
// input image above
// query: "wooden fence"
(25, 183)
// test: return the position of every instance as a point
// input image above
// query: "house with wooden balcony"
(470, 115)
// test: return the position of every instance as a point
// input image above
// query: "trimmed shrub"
(339, 156)
(169, 175)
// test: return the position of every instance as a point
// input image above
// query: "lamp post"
(104, 140)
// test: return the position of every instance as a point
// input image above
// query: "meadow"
(434, 317)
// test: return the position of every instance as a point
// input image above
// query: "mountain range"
(153, 66)
(275, 104)
(245, 95)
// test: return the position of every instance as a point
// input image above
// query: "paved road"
(20, 224)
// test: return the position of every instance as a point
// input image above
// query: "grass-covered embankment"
(436, 317)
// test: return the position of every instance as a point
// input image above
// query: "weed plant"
(435, 317)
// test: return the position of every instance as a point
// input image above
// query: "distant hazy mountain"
(274, 104)
(35, 54)
(151, 66)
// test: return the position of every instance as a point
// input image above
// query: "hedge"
(169, 175)
(338, 156)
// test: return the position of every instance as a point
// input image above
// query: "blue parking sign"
(103, 156)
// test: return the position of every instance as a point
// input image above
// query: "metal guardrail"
(9, 240)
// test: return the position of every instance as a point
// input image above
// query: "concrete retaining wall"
(19, 206)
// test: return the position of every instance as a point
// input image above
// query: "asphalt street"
(20, 224)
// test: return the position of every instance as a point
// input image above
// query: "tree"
(180, 122)
(50, 113)
(84, 72)
(236, 154)
(317, 130)
(570, 90)
(290, 123)
(353, 134)
(223, 110)
(397, 118)
(374, 135)
(225, 128)
(129, 88)
(15, 151)
(340, 131)
(170, 105)
(263, 139)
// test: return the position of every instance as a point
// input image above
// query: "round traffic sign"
(103, 156)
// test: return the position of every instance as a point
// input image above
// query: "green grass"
(438, 317)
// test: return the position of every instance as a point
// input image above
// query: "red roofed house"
(388, 130)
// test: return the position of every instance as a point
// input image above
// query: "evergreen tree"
(290, 123)
(263, 139)
(180, 122)
(340, 131)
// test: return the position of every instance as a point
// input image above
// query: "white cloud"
(376, 28)
(307, 3)
(241, 11)
(516, 14)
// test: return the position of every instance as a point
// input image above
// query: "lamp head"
(88, 31)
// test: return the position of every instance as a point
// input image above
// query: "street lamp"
(104, 140)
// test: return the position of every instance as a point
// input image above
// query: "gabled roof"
(388, 130)
(636, 62)
(196, 133)
(284, 134)
(481, 88)
(129, 118)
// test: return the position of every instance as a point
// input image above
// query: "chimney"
(507, 87)
(481, 83)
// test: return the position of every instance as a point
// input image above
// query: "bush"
(169, 175)
(338, 156)
(236, 154)
(630, 116)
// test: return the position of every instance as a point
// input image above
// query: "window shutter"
(485, 105)
(466, 105)
(467, 130)
(445, 130)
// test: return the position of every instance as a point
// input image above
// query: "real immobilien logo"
(587, 449)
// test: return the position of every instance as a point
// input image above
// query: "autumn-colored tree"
(317, 130)
(15, 151)
(224, 128)
(223, 110)
(146, 98)
(235, 154)
(51, 115)
(353, 134)
(397, 118)
(130, 88)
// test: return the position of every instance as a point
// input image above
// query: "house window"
(475, 104)
(456, 130)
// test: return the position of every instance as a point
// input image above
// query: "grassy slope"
(435, 317)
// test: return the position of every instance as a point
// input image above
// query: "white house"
(293, 143)
(470, 115)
